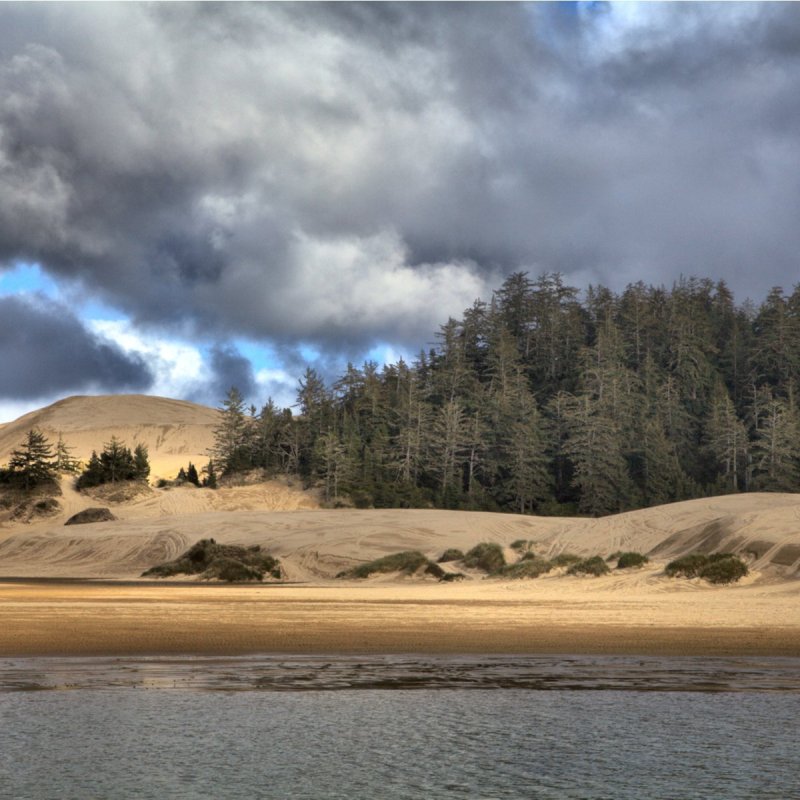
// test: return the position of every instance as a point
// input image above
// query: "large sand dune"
(174, 431)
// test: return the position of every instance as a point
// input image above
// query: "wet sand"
(85, 619)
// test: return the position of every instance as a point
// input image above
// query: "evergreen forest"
(550, 401)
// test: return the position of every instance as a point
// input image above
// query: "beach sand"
(569, 615)
(627, 612)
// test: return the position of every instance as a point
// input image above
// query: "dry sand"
(630, 612)
(547, 616)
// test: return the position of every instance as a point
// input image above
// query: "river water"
(400, 727)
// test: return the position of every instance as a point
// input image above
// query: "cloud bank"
(346, 174)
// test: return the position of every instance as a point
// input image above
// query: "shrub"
(595, 565)
(407, 562)
(525, 568)
(449, 577)
(521, 544)
(487, 556)
(728, 569)
(631, 559)
(225, 562)
(716, 568)
(565, 560)
(451, 554)
(688, 566)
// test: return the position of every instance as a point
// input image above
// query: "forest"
(551, 401)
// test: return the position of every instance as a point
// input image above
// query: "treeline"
(542, 401)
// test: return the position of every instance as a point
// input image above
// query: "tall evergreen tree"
(33, 463)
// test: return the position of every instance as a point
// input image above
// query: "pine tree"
(776, 449)
(64, 462)
(210, 475)
(191, 475)
(141, 463)
(33, 463)
(231, 434)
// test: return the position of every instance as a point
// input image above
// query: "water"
(295, 728)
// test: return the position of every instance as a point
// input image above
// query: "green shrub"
(631, 559)
(451, 554)
(687, 566)
(524, 568)
(225, 562)
(407, 562)
(719, 568)
(596, 565)
(449, 577)
(487, 556)
(521, 544)
(728, 569)
(565, 560)
(233, 571)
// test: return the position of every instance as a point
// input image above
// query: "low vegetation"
(225, 562)
(718, 568)
(596, 566)
(451, 554)
(407, 562)
(631, 559)
(89, 515)
(487, 556)
(522, 545)
(565, 560)
(524, 568)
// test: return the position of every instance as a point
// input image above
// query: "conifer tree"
(64, 461)
(33, 463)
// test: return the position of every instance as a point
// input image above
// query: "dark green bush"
(226, 562)
(717, 568)
(487, 556)
(451, 554)
(596, 565)
(728, 569)
(525, 568)
(521, 544)
(233, 571)
(631, 559)
(687, 566)
(565, 560)
(407, 562)
(449, 577)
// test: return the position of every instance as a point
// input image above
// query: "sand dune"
(174, 431)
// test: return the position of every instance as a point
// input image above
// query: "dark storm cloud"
(230, 369)
(349, 173)
(45, 350)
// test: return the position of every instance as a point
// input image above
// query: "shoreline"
(131, 619)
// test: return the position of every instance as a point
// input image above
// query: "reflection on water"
(328, 673)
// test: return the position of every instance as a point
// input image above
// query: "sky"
(194, 196)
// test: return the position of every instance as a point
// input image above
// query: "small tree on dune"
(33, 464)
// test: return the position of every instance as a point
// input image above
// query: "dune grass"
(596, 566)
(408, 562)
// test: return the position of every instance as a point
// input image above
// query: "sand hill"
(174, 431)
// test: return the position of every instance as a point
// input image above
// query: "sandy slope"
(174, 431)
